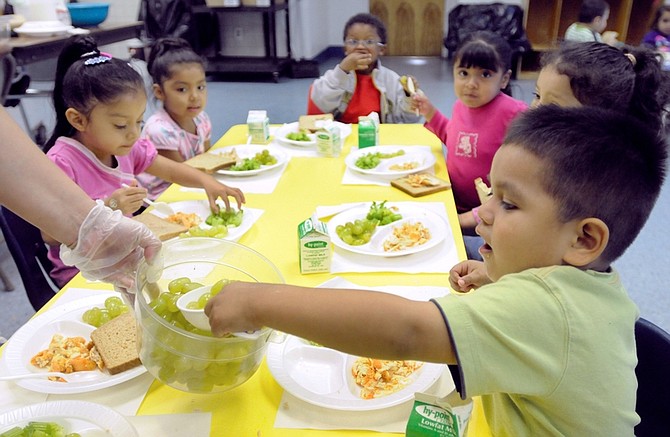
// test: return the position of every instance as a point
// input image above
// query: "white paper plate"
(284, 130)
(43, 28)
(322, 377)
(201, 209)
(35, 336)
(424, 160)
(249, 151)
(435, 224)
(86, 418)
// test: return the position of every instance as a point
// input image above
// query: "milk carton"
(368, 130)
(314, 246)
(259, 127)
(328, 141)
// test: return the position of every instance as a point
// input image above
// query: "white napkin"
(172, 425)
(294, 413)
(14, 397)
(330, 210)
(438, 259)
(298, 151)
(352, 177)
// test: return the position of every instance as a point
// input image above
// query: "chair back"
(7, 68)
(25, 243)
(653, 379)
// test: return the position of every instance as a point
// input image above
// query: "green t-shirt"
(550, 350)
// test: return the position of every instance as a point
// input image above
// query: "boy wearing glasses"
(359, 84)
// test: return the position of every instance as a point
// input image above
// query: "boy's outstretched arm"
(358, 322)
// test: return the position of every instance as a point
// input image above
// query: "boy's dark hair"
(603, 76)
(661, 9)
(591, 9)
(368, 19)
(167, 52)
(85, 78)
(484, 49)
(599, 163)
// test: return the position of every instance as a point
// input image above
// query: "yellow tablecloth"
(250, 409)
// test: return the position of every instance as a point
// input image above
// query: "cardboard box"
(314, 246)
(259, 127)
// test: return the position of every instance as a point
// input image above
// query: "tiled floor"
(642, 267)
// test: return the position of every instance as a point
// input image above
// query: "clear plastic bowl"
(190, 361)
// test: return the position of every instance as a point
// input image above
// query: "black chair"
(504, 19)
(653, 379)
(25, 243)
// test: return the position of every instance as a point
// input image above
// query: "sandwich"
(162, 228)
(116, 342)
(313, 123)
(211, 162)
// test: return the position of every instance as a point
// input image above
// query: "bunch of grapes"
(261, 158)
(97, 316)
(298, 136)
(356, 233)
(372, 160)
(39, 429)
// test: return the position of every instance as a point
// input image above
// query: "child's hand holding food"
(421, 103)
(216, 189)
(356, 61)
(467, 275)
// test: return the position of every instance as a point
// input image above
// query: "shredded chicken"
(382, 377)
(181, 218)
(406, 236)
(67, 355)
(404, 166)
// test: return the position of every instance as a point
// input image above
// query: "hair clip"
(101, 59)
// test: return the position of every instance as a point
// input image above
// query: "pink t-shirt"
(472, 137)
(166, 134)
(96, 179)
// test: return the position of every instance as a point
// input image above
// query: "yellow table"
(250, 409)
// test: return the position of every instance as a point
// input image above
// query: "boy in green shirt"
(547, 338)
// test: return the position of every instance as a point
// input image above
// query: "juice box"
(368, 132)
(259, 127)
(314, 246)
(328, 141)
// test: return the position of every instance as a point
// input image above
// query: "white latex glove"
(110, 247)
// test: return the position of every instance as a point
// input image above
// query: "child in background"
(658, 37)
(359, 84)
(181, 129)
(556, 321)
(480, 116)
(99, 104)
(594, 74)
(592, 21)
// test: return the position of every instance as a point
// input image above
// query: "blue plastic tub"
(88, 14)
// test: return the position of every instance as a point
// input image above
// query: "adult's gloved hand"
(110, 247)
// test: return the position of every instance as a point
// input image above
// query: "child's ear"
(591, 238)
(505, 79)
(158, 91)
(76, 119)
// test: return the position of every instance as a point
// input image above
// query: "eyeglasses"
(369, 43)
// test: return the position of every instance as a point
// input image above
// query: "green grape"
(176, 286)
(298, 136)
(356, 233)
(382, 214)
(113, 301)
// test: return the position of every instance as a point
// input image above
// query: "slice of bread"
(211, 162)
(116, 342)
(162, 228)
(309, 122)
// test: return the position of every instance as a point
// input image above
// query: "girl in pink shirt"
(479, 119)
(181, 129)
(100, 104)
